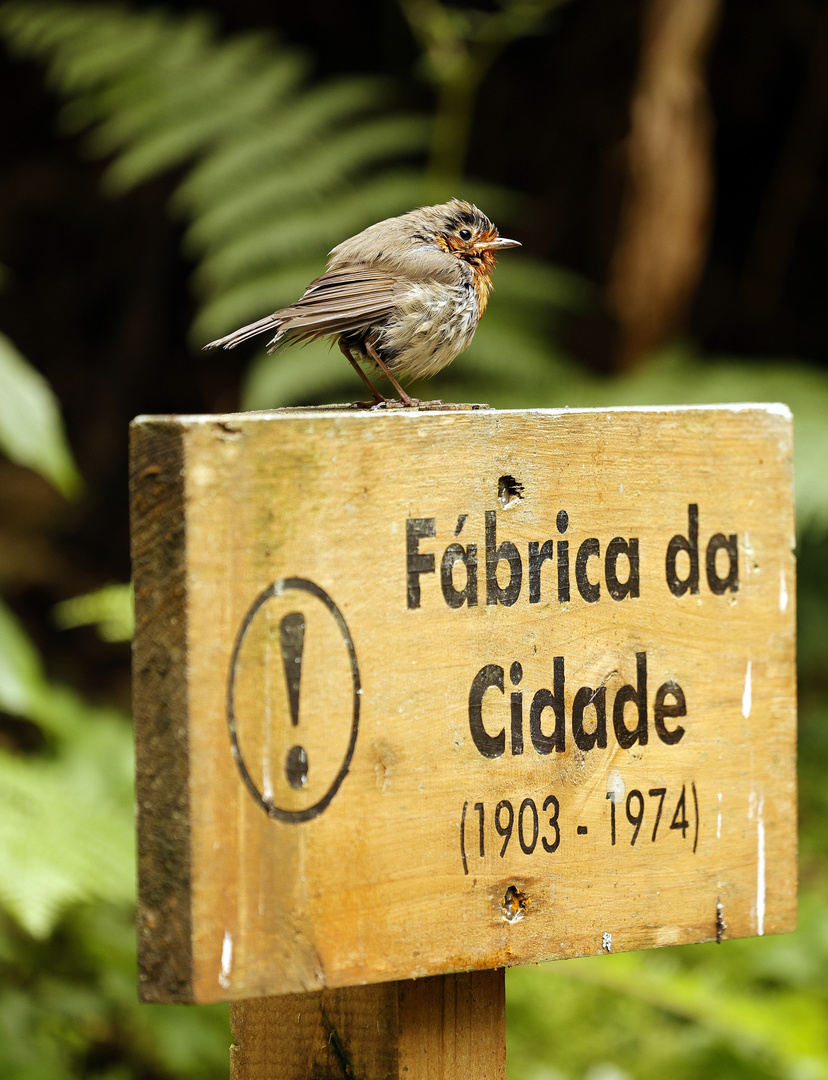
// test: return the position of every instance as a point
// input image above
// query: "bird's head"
(461, 230)
(465, 232)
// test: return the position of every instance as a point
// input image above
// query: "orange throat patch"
(481, 280)
(481, 264)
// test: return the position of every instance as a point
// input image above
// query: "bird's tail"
(261, 326)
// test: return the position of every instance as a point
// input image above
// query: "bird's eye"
(465, 234)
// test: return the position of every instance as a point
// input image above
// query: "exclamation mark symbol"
(292, 635)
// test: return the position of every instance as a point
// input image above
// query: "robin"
(404, 295)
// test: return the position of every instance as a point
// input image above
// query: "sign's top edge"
(339, 411)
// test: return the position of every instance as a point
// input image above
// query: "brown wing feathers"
(340, 301)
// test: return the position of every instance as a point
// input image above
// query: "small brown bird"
(404, 295)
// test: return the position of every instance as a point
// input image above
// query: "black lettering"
(661, 709)
(456, 553)
(516, 674)
(638, 696)
(731, 580)
(679, 586)
(482, 813)
(586, 551)
(417, 563)
(538, 555)
(545, 699)
(586, 740)
(563, 571)
(550, 800)
(638, 817)
(528, 804)
(508, 553)
(660, 792)
(504, 830)
(619, 546)
(490, 746)
(681, 808)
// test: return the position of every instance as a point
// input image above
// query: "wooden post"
(438, 1028)
(420, 694)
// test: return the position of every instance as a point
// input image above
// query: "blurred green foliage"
(111, 609)
(68, 973)
(272, 171)
(31, 432)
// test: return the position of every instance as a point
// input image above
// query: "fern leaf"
(57, 847)
(260, 147)
(276, 171)
(321, 228)
(331, 162)
(249, 299)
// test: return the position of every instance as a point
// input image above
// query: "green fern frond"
(260, 148)
(66, 817)
(252, 297)
(332, 162)
(285, 237)
(184, 128)
(57, 846)
(276, 172)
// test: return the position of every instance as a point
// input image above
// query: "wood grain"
(160, 707)
(452, 817)
(439, 1028)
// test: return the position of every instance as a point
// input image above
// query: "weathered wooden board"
(437, 691)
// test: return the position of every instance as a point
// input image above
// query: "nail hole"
(509, 491)
(514, 904)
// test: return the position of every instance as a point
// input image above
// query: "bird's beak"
(497, 243)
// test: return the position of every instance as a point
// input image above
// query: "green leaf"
(22, 682)
(31, 430)
(66, 831)
(110, 608)
(56, 847)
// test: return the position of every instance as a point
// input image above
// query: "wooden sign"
(422, 692)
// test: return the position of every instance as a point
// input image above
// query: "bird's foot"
(410, 403)
(378, 402)
(388, 403)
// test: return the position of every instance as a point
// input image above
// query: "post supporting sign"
(432, 692)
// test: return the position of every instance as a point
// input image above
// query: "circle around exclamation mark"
(292, 639)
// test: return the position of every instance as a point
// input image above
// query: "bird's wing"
(342, 300)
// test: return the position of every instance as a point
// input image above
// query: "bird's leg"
(377, 396)
(404, 398)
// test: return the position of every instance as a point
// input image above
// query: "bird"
(404, 295)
